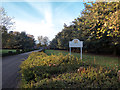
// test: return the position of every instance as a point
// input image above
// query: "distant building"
(16, 33)
(31, 36)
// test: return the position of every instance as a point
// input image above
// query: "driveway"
(10, 69)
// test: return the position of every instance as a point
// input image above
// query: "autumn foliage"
(58, 71)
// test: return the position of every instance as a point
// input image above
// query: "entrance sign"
(76, 43)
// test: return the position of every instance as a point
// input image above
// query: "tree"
(5, 21)
(98, 26)
(103, 21)
(5, 24)
(19, 40)
(46, 41)
(40, 38)
(53, 43)
(24, 41)
(43, 41)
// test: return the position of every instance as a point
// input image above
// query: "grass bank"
(108, 61)
(7, 52)
(4, 51)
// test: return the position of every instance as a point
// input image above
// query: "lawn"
(3, 51)
(108, 61)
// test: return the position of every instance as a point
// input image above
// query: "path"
(10, 68)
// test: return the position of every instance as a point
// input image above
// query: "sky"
(42, 18)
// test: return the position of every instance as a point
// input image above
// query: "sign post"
(81, 52)
(70, 50)
(76, 43)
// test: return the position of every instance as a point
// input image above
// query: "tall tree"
(5, 21)
(98, 26)
(40, 40)
(43, 41)
(104, 22)
(46, 41)
(5, 24)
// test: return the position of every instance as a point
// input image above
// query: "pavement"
(10, 69)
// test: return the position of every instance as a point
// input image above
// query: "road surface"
(10, 69)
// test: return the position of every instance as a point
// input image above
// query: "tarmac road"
(10, 69)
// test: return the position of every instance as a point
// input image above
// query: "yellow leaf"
(108, 35)
(98, 28)
(110, 27)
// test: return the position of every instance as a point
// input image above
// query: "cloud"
(48, 22)
(44, 9)
(36, 29)
(37, 26)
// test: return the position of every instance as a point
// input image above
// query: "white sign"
(76, 43)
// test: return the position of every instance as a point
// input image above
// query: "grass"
(107, 61)
(3, 51)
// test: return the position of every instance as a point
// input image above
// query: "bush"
(90, 78)
(18, 51)
(10, 52)
(58, 71)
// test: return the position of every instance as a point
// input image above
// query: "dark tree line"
(17, 40)
(98, 26)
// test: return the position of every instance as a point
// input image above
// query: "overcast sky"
(42, 18)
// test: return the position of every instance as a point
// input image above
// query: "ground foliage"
(58, 71)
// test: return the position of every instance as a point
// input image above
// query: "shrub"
(18, 51)
(58, 71)
(10, 52)
(90, 78)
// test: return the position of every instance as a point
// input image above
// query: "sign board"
(76, 43)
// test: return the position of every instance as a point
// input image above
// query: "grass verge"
(4, 51)
(107, 61)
